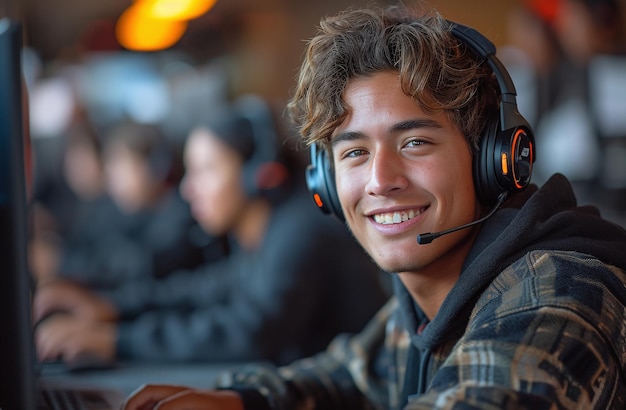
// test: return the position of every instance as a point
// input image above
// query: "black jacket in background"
(309, 281)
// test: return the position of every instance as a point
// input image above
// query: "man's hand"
(67, 297)
(168, 397)
(74, 340)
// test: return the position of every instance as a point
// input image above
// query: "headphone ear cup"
(320, 180)
(485, 184)
(503, 162)
(262, 171)
(506, 150)
(521, 158)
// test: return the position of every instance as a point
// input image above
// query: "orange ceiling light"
(151, 25)
(177, 9)
(138, 31)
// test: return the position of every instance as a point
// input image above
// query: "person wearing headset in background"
(285, 289)
(515, 299)
(131, 220)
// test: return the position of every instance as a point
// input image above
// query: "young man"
(523, 309)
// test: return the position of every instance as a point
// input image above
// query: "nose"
(386, 173)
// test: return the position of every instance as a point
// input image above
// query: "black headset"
(506, 150)
(264, 133)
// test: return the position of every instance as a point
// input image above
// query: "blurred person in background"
(130, 221)
(563, 56)
(284, 291)
(61, 205)
(141, 227)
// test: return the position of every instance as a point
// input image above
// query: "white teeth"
(396, 217)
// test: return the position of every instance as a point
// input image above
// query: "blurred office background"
(80, 57)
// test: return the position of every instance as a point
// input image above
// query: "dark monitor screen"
(17, 387)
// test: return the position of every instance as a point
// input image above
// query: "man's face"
(399, 173)
(212, 183)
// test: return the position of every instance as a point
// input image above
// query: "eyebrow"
(401, 126)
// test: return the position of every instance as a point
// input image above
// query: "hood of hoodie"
(546, 218)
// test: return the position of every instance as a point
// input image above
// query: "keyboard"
(66, 399)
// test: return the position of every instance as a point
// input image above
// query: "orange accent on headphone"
(318, 200)
(505, 164)
(514, 153)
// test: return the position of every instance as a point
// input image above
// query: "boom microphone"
(425, 238)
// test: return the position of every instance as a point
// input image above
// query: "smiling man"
(399, 172)
(506, 295)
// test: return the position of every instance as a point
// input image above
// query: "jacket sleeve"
(347, 375)
(183, 289)
(112, 247)
(205, 315)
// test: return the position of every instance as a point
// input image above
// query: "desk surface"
(127, 377)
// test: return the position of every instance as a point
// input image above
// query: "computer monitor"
(17, 389)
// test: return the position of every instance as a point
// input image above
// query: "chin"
(397, 267)
(209, 228)
(395, 262)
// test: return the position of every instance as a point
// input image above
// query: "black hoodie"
(535, 219)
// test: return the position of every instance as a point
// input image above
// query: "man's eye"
(415, 143)
(355, 153)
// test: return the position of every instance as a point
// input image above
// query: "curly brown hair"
(438, 71)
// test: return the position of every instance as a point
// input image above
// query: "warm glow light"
(138, 31)
(176, 9)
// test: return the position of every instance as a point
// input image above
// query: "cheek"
(454, 190)
(457, 182)
(349, 190)
(208, 195)
(117, 182)
(464, 179)
(224, 194)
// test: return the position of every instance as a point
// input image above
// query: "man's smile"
(389, 218)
